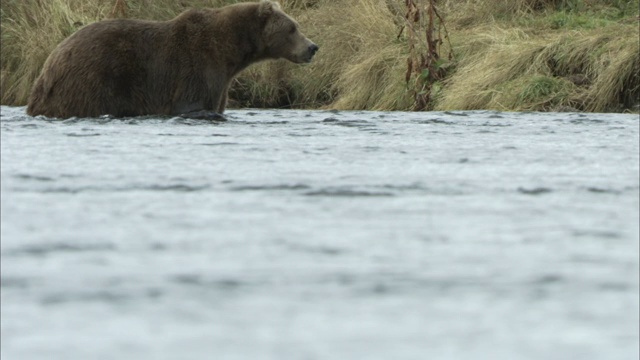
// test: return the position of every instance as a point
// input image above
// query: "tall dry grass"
(30, 30)
(509, 54)
(589, 70)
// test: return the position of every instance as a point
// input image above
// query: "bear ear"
(267, 8)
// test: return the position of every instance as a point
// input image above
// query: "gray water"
(321, 235)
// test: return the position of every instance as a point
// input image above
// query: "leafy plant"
(425, 28)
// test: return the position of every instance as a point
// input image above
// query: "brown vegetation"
(506, 55)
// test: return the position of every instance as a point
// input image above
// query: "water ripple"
(345, 192)
(534, 191)
(43, 249)
(81, 189)
(276, 187)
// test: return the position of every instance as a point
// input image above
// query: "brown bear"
(183, 66)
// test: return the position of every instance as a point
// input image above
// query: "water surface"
(321, 235)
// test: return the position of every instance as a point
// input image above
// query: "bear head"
(281, 35)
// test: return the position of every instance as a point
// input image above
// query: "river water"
(321, 235)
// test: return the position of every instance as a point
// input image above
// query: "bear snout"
(312, 50)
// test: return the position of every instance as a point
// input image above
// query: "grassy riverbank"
(507, 54)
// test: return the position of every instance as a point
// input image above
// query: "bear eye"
(292, 29)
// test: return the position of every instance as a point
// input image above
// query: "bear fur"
(183, 66)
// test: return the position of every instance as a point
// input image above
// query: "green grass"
(544, 92)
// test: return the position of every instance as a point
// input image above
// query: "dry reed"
(509, 54)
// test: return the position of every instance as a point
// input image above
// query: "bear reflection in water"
(181, 67)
